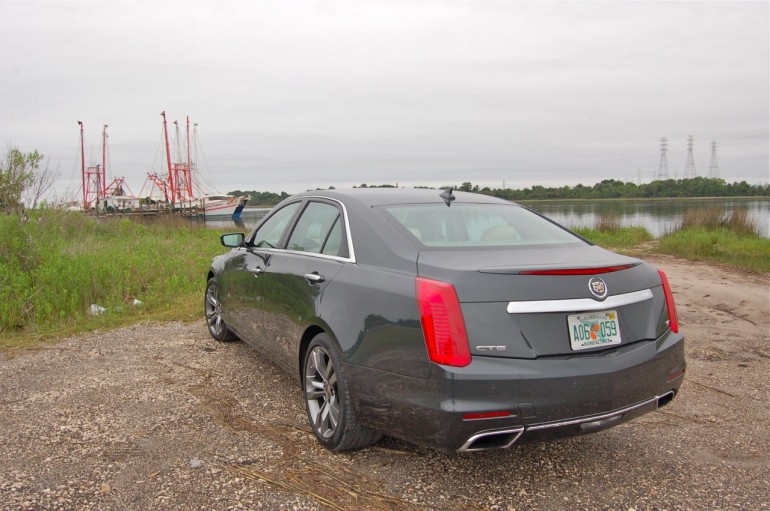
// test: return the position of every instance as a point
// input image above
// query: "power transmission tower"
(663, 166)
(714, 165)
(689, 166)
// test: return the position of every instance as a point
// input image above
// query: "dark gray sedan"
(451, 320)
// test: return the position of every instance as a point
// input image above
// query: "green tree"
(17, 175)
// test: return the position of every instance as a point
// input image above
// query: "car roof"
(387, 196)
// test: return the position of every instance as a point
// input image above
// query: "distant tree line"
(260, 198)
(613, 189)
(606, 189)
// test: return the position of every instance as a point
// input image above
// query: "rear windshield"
(476, 225)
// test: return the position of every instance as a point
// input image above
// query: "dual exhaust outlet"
(504, 438)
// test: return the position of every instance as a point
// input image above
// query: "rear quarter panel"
(373, 314)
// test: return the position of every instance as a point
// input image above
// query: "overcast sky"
(293, 95)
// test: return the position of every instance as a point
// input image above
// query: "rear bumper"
(546, 398)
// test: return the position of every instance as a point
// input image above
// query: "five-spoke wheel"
(328, 401)
(321, 392)
(217, 327)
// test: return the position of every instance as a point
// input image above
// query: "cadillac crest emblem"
(598, 288)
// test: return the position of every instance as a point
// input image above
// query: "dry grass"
(607, 223)
(713, 235)
(715, 217)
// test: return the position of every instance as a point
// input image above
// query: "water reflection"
(656, 216)
(250, 217)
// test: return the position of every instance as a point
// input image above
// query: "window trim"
(293, 223)
(292, 220)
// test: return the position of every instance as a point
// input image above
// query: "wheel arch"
(307, 335)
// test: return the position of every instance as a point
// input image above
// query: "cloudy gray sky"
(293, 95)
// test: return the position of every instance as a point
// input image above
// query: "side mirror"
(232, 240)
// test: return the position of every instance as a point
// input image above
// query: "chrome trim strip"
(519, 430)
(351, 253)
(593, 418)
(495, 432)
(577, 304)
(300, 252)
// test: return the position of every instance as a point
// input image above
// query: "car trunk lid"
(527, 302)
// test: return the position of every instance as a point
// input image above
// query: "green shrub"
(55, 264)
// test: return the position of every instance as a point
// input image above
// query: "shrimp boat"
(182, 189)
(223, 205)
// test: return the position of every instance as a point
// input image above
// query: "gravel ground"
(161, 417)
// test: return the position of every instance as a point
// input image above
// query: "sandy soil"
(161, 417)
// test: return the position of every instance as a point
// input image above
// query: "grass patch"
(55, 264)
(719, 245)
(712, 235)
(608, 233)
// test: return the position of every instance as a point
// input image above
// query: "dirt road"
(161, 417)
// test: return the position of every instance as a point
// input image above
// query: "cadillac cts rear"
(451, 320)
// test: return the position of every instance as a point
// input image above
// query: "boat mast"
(189, 162)
(103, 187)
(168, 160)
(83, 165)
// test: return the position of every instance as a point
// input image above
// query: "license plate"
(593, 330)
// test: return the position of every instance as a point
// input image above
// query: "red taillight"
(442, 323)
(486, 415)
(579, 271)
(673, 320)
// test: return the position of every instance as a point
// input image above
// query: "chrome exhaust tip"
(665, 399)
(494, 439)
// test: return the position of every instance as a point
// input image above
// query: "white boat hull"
(229, 207)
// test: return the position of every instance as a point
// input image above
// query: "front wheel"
(213, 309)
(328, 403)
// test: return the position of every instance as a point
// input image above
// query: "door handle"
(314, 278)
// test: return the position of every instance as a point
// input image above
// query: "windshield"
(476, 225)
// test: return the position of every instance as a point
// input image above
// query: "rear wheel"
(217, 327)
(327, 399)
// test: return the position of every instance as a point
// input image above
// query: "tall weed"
(713, 235)
(715, 218)
(55, 264)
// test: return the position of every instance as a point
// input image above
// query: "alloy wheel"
(321, 392)
(214, 312)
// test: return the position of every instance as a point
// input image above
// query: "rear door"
(295, 277)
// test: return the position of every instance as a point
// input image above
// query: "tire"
(328, 403)
(213, 311)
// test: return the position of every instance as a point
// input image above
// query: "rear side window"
(476, 225)
(319, 231)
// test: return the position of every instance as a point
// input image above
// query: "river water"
(657, 216)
